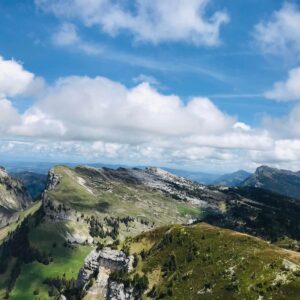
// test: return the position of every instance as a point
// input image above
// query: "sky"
(203, 85)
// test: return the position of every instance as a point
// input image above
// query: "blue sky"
(26, 34)
(233, 68)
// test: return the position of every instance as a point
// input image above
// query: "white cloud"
(280, 35)
(8, 116)
(284, 151)
(36, 123)
(241, 126)
(67, 36)
(286, 90)
(108, 110)
(146, 78)
(138, 124)
(100, 119)
(153, 21)
(14, 80)
(256, 140)
(285, 127)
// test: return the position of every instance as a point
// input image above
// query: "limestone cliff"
(98, 266)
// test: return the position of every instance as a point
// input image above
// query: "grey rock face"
(107, 258)
(117, 291)
(53, 180)
(55, 211)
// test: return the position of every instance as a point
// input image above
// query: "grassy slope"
(22, 215)
(4, 232)
(3, 235)
(226, 264)
(4, 278)
(119, 200)
(65, 261)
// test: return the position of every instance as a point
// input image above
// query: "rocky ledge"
(52, 181)
(106, 258)
(118, 291)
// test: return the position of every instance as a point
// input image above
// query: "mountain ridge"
(232, 179)
(283, 182)
(145, 216)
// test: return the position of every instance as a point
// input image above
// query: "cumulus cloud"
(153, 21)
(285, 127)
(9, 116)
(280, 35)
(109, 110)
(97, 118)
(14, 80)
(286, 90)
(136, 124)
(284, 153)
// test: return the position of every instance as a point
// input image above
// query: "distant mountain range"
(283, 182)
(44, 167)
(201, 177)
(232, 179)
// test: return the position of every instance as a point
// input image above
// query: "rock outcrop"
(98, 265)
(52, 181)
(55, 211)
(118, 291)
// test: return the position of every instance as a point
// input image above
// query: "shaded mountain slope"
(206, 262)
(283, 182)
(258, 212)
(13, 197)
(35, 183)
